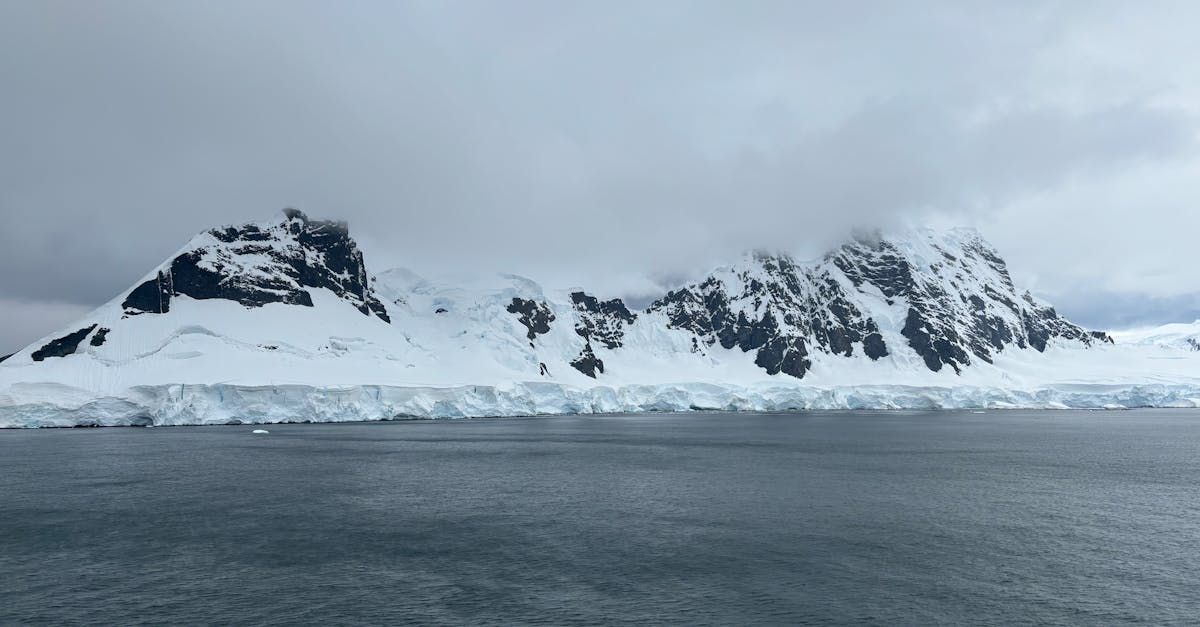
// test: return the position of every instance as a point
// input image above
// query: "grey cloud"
(26, 321)
(591, 144)
(1103, 309)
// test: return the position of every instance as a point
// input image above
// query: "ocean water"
(823, 518)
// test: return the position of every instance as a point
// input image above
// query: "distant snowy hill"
(283, 321)
(1181, 336)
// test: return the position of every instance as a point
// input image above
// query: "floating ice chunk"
(260, 431)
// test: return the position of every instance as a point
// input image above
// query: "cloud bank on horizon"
(620, 146)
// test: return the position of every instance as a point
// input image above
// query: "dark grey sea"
(945, 518)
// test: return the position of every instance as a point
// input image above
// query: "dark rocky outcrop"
(603, 321)
(63, 346)
(4, 357)
(152, 296)
(934, 350)
(784, 355)
(1043, 323)
(99, 337)
(254, 266)
(535, 316)
(587, 362)
(874, 346)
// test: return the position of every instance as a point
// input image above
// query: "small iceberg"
(260, 431)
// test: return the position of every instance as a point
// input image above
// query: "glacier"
(45, 405)
(281, 321)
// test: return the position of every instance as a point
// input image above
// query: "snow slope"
(1182, 336)
(273, 322)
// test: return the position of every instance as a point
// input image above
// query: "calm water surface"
(866, 518)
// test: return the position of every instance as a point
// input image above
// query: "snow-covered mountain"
(946, 296)
(1181, 336)
(282, 321)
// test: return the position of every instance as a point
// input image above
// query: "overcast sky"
(615, 145)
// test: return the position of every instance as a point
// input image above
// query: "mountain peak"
(945, 294)
(255, 264)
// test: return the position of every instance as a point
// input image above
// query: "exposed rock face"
(783, 355)
(255, 265)
(587, 362)
(1193, 342)
(152, 296)
(3, 357)
(778, 309)
(535, 316)
(603, 321)
(63, 346)
(99, 337)
(961, 300)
